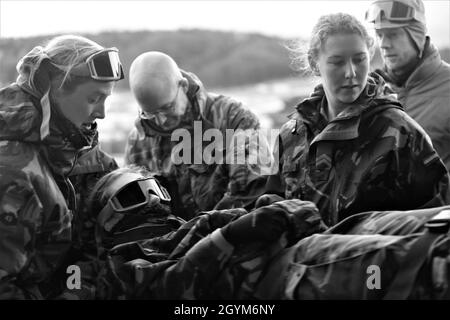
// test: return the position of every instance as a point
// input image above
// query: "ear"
(184, 83)
(316, 71)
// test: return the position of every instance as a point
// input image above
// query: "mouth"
(89, 125)
(350, 87)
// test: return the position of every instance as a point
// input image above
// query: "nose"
(384, 41)
(100, 111)
(350, 70)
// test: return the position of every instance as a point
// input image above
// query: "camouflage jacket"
(36, 198)
(340, 263)
(372, 156)
(198, 186)
(91, 165)
(196, 262)
(329, 265)
(425, 96)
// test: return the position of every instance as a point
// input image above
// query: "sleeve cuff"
(218, 239)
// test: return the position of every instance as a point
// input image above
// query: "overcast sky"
(281, 18)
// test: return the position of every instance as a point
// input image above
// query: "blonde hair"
(304, 55)
(66, 52)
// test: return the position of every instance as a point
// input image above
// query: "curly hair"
(304, 55)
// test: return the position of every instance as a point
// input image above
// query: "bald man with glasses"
(171, 99)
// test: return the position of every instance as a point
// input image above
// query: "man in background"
(414, 68)
(171, 99)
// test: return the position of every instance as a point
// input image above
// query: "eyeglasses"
(165, 110)
(104, 66)
(392, 10)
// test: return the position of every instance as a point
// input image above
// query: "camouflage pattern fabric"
(373, 156)
(199, 186)
(203, 265)
(335, 264)
(91, 165)
(35, 198)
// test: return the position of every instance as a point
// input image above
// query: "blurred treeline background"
(251, 67)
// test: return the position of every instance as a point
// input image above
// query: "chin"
(349, 99)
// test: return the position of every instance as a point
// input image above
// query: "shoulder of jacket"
(224, 111)
(14, 95)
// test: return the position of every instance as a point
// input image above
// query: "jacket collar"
(346, 125)
(427, 66)
(425, 69)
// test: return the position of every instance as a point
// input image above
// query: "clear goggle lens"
(137, 194)
(392, 11)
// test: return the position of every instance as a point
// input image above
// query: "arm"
(21, 218)
(187, 278)
(195, 273)
(171, 278)
(408, 175)
(137, 150)
(247, 155)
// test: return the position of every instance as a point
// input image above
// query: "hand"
(304, 218)
(267, 199)
(263, 224)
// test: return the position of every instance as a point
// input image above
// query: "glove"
(267, 199)
(128, 251)
(304, 218)
(263, 224)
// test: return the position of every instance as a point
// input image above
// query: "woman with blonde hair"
(350, 147)
(47, 117)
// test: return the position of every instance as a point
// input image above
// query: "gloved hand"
(263, 224)
(267, 199)
(296, 217)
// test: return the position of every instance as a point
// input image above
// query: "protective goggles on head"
(103, 65)
(393, 11)
(132, 191)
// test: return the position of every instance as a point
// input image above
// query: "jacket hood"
(26, 115)
(426, 67)
(197, 96)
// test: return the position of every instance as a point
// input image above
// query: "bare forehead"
(96, 87)
(351, 43)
